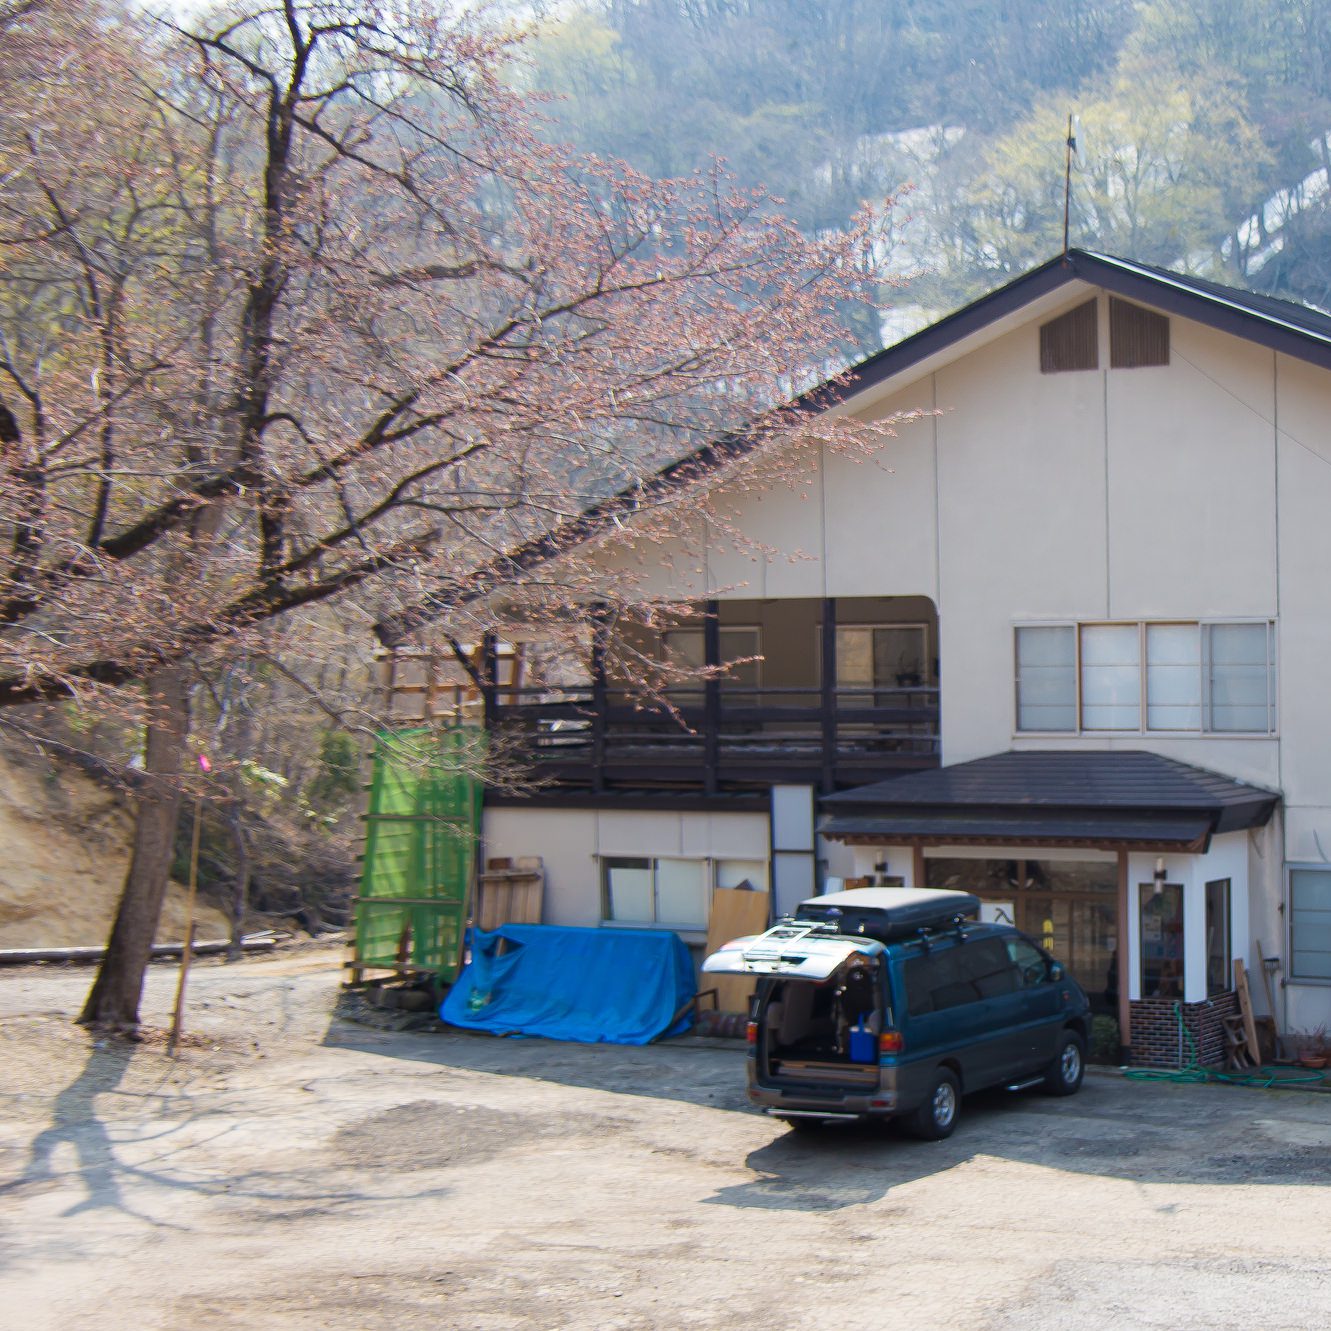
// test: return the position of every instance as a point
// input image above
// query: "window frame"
(1292, 976)
(710, 866)
(687, 691)
(1227, 918)
(1150, 893)
(1202, 625)
(926, 672)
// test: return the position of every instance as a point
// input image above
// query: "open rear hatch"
(821, 1009)
(810, 951)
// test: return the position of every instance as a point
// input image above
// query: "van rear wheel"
(937, 1116)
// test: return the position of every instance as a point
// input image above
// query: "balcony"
(745, 740)
(751, 693)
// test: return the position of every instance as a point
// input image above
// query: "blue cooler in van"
(863, 1043)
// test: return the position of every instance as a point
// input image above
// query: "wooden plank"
(1266, 982)
(1277, 1041)
(510, 892)
(1245, 1010)
(27, 956)
(735, 914)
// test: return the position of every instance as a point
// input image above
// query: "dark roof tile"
(1063, 781)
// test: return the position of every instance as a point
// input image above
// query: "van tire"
(1069, 1066)
(936, 1117)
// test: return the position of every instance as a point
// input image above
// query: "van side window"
(1029, 961)
(963, 974)
(991, 968)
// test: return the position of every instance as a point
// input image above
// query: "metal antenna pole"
(1067, 183)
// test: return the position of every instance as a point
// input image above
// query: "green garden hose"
(1192, 1073)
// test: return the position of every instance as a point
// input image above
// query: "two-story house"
(1069, 647)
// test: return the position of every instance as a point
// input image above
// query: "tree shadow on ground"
(75, 1122)
(118, 1162)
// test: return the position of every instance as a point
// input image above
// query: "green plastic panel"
(420, 849)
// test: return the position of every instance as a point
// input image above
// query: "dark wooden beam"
(600, 695)
(827, 700)
(711, 698)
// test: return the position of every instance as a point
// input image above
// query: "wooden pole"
(173, 1041)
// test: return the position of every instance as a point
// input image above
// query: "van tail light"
(751, 1032)
(891, 1042)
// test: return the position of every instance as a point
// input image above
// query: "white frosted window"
(1239, 678)
(1173, 677)
(1047, 678)
(681, 892)
(1310, 923)
(628, 890)
(1110, 677)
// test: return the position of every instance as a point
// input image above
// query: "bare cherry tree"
(299, 308)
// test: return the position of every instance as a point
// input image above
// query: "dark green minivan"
(896, 1002)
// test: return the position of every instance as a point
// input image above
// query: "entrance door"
(1069, 907)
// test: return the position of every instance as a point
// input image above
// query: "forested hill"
(1205, 123)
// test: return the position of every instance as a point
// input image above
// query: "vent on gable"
(1069, 342)
(1137, 336)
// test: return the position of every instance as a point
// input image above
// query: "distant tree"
(1169, 165)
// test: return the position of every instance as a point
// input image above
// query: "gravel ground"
(293, 1170)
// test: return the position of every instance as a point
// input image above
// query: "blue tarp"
(611, 986)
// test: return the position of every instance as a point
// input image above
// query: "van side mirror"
(1055, 972)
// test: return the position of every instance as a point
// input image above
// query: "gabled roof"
(1278, 324)
(1119, 796)
(1293, 329)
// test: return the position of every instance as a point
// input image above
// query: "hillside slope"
(64, 847)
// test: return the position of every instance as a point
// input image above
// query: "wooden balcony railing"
(720, 738)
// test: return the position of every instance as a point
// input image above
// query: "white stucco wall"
(570, 841)
(1200, 489)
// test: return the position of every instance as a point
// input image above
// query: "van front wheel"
(1069, 1065)
(937, 1116)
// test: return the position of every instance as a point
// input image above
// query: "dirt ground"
(297, 1171)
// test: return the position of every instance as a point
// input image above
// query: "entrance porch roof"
(1113, 798)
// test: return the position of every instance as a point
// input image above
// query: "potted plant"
(1310, 1047)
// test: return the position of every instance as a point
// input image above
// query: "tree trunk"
(114, 1000)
